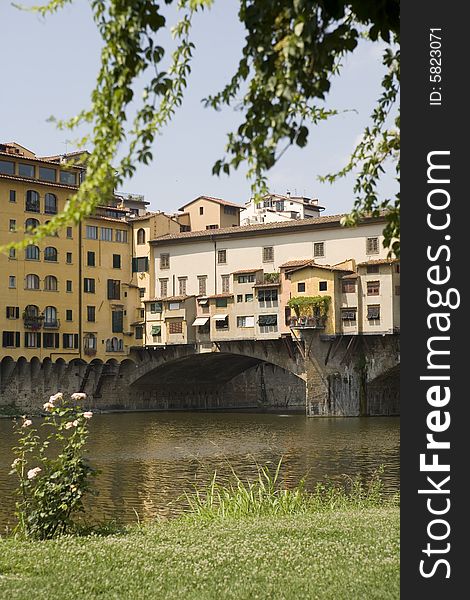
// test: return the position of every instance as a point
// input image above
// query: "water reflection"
(148, 460)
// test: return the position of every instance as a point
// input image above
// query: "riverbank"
(332, 555)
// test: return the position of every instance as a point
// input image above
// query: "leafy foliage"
(53, 476)
(292, 49)
(310, 306)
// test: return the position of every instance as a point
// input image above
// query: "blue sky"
(49, 66)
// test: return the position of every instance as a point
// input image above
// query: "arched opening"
(50, 254)
(32, 252)
(32, 282)
(30, 225)
(32, 201)
(50, 283)
(50, 204)
(141, 236)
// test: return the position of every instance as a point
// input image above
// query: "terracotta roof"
(103, 218)
(169, 299)
(243, 230)
(314, 265)
(224, 295)
(241, 271)
(212, 199)
(296, 263)
(379, 261)
(37, 159)
(38, 182)
(350, 276)
(142, 217)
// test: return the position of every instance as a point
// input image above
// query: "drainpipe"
(80, 295)
(215, 264)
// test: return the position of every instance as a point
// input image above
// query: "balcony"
(89, 351)
(52, 324)
(33, 322)
(307, 322)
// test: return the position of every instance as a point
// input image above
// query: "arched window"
(30, 225)
(50, 283)
(50, 316)
(32, 252)
(32, 282)
(114, 345)
(89, 343)
(31, 311)
(141, 236)
(32, 201)
(55, 234)
(50, 254)
(50, 204)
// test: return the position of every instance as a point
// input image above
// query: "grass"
(330, 555)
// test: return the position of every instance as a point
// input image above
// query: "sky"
(49, 67)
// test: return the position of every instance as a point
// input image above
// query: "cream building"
(274, 208)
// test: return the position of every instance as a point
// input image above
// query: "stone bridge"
(348, 375)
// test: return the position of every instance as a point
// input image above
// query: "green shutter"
(156, 329)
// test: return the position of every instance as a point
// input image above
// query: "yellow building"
(206, 212)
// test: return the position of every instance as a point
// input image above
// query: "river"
(149, 459)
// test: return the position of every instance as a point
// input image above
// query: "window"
(163, 288)
(32, 339)
(69, 233)
(50, 283)
(7, 167)
(68, 258)
(268, 254)
(30, 225)
(267, 298)
(25, 170)
(348, 286)
(348, 314)
(50, 204)
(31, 311)
(239, 297)
(164, 261)
(397, 290)
(301, 287)
(90, 259)
(32, 282)
(140, 236)
(373, 288)
(50, 317)
(221, 302)
(91, 232)
(248, 297)
(182, 281)
(141, 292)
(117, 321)
(225, 283)
(142, 313)
(156, 307)
(201, 210)
(175, 327)
(88, 285)
(68, 178)
(221, 323)
(47, 174)
(70, 340)
(246, 278)
(174, 306)
(68, 286)
(114, 345)
(13, 312)
(156, 330)
(230, 210)
(279, 204)
(106, 234)
(319, 249)
(322, 286)
(11, 339)
(267, 323)
(121, 235)
(373, 269)
(50, 254)
(12, 225)
(50, 340)
(90, 314)
(89, 343)
(372, 245)
(139, 332)
(397, 268)
(212, 227)
(245, 321)
(202, 281)
(68, 315)
(12, 253)
(221, 257)
(12, 196)
(32, 252)
(140, 264)
(11, 281)
(114, 289)
(54, 233)
(32, 201)
(373, 312)
(116, 261)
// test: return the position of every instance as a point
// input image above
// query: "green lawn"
(348, 555)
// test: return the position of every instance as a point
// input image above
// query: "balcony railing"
(90, 351)
(52, 324)
(308, 322)
(31, 322)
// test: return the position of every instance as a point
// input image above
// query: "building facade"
(274, 208)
